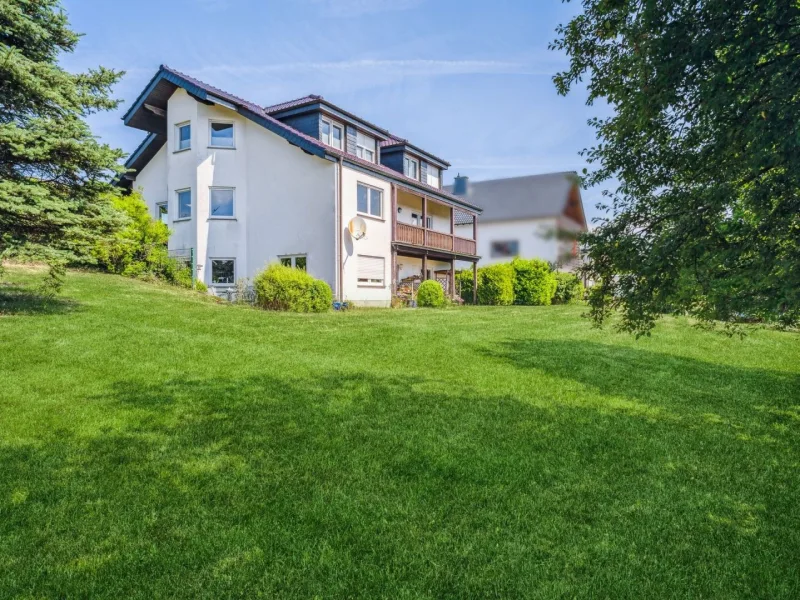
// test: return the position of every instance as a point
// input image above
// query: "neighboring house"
(536, 216)
(243, 185)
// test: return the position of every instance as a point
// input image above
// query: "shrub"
(285, 288)
(430, 294)
(496, 285)
(569, 289)
(464, 279)
(534, 282)
(321, 296)
(201, 287)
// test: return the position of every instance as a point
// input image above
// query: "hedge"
(534, 282)
(464, 279)
(569, 289)
(430, 294)
(496, 285)
(285, 288)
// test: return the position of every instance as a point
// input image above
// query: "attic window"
(365, 147)
(411, 167)
(331, 134)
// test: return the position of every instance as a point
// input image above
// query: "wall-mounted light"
(399, 209)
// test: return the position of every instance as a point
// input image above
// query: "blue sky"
(468, 80)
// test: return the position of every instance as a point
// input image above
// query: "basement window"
(297, 261)
(223, 271)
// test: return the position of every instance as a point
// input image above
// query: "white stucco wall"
(151, 182)
(377, 242)
(534, 236)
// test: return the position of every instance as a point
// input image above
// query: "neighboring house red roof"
(310, 99)
(292, 135)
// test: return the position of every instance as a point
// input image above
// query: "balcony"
(437, 240)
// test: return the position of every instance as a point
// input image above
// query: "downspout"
(339, 226)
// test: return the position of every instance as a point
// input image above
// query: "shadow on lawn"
(20, 300)
(678, 385)
(343, 484)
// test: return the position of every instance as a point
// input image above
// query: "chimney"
(461, 185)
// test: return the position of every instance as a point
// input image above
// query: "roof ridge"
(307, 97)
(471, 182)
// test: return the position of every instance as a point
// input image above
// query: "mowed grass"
(156, 444)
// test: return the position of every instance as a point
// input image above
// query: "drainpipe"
(339, 226)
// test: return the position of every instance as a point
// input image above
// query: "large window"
(505, 249)
(223, 271)
(369, 201)
(365, 147)
(184, 204)
(162, 212)
(411, 167)
(433, 176)
(371, 270)
(183, 136)
(221, 135)
(297, 261)
(331, 133)
(222, 203)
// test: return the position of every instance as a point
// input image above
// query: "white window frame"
(211, 123)
(158, 211)
(210, 193)
(211, 271)
(178, 127)
(293, 260)
(437, 181)
(361, 150)
(332, 124)
(369, 200)
(178, 193)
(407, 162)
(371, 282)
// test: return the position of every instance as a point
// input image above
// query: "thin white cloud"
(351, 8)
(405, 67)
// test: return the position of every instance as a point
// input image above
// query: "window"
(298, 261)
(411, 167)
(371, 270)
(221, 135)
(331, 134)
(505, 249)
(221, 203)
(223, 271)
(162, 212)
(184, 204)
(365, 147)
(183, 137)
(416, 219)
(369, 201)
(433, 176)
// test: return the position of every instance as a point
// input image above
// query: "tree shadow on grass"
(351, 485)
(21, 300)
(676, 385)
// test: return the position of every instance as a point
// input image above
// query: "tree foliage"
(55, 177)
(703, 140)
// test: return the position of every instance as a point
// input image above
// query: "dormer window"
(331, 133)
(434, 175)
(411, 167)
(365, 147)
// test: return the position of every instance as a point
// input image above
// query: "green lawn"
(156, 444)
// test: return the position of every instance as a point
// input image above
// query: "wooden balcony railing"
(427, 238)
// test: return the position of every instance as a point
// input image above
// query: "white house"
(242, 185)
(536, 216)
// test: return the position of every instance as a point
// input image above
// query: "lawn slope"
(156, 444)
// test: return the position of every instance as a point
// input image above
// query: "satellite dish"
(357, 228)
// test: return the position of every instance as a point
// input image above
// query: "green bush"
(430, 294)
(321, 296)
(201, 287)
(569, 289)
(464, 279)
(284, 288)
(496, 285)
(534, 282)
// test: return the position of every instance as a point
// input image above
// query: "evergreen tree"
(705, 142)
(55, 178)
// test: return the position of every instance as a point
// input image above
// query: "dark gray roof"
(528, 197)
